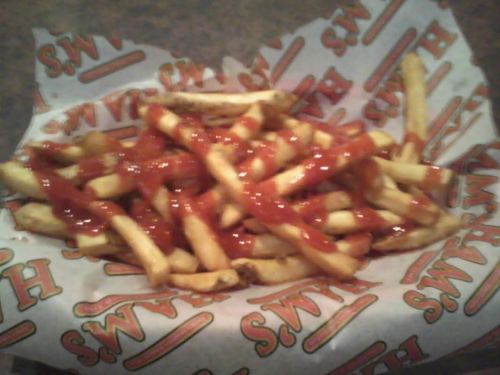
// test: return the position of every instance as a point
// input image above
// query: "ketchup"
(272, 210)
(236, 243)
(412, 137)
(153, 224)
(249, 122)
(369, 219)
(52, 149)
(266, 153)
(313, 210)
(90, 168)
(69, 204)
(433, 177)
(324, 163)
(241, 147)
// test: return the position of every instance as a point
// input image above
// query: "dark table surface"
(169, 24)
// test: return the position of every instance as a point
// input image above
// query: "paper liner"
(99, 317)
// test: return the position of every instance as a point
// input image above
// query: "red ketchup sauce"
(266, 153)
(368, 219)
(397, 230)
(242, 148)
(419, 143)
(271, 210)
(153, 224)
(51, 149)
(368, 176)
(433, 177)
(249, 122)
(236, 243)
(313, 210)
(70, 205)
(324, 163)
(90, 168)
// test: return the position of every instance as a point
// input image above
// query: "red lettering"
(73, 342)
(248, 81)
(252, 327)
(440, 275)
(190, 71)
(123, 320)
(312, 106)
(17, 333)
(163, 307)
(330, 40)
(336, 323)
(334, 86)
(114, 104)
(361, 359)
(437, 40)
(171, 341)
(47, 56)
(374, 113)
(432, 307)
(202, 300)
(6, 255)
(453, 249)
(476, 194)
(74, 48)
(350, 12)
(409, 352)
(416, 268)
(165, 76)
(22, 286)
(479, 231)
(286, 309)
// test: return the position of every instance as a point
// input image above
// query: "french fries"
(243, 193)
(224, 104)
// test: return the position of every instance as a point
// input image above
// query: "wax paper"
(100, 317)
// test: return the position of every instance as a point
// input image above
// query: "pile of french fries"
(223, 190)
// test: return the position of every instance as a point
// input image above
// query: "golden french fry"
(224, 104)
(355, 245)
(248, 126)
(65, 154)
(205, 245)
(216, 121)
(419, 209)
(413, 238)
(275, 271)
(78, 173)
(416, 110)
(340, 222)
(328, 202)
(270, 246)
(151, 257)
(111, 186)
(39, 218)
(414, 82)
(254, 226)
(96, 143)
(206, 282)
(334, 263)
(180, 260)
(426, 177)
(106, 243)
(171, 166)
(299, 177)
(21, 180)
